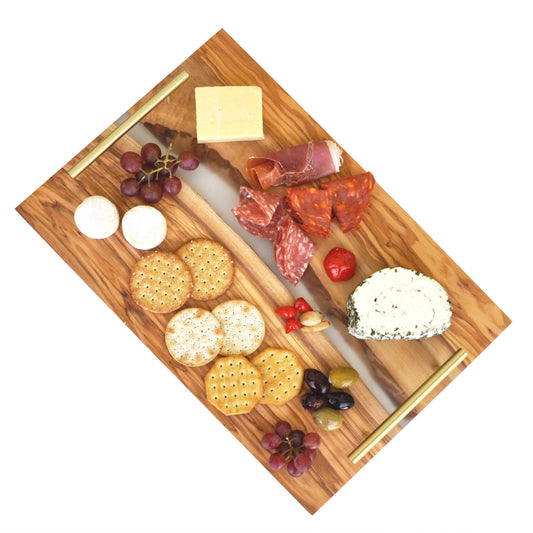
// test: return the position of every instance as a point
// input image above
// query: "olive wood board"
(387, 237)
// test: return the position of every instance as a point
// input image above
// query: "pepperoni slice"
(311, 208)
(350, 196)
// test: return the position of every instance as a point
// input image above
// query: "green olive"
(327, 418)
(343, 377)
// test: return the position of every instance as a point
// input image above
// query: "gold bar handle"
(135, 117)
(408, 405)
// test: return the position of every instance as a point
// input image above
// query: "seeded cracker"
(160, 282)
(233, 385)
(243, 326)
(211, 265)
(193, 336)
(282, 374)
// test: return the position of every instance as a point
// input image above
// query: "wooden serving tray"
(387, 237)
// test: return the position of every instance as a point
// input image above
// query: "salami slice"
(311, 208)
(259, 212)
(350, 197)
(293, 250)
(295, 165)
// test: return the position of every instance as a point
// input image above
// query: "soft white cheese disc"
(144, 227)
(97, 217)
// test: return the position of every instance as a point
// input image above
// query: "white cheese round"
(97, 217)
(144, 227)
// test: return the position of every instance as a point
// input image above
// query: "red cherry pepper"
(340, 264)
(287, 311)
(292, 325)
(302, 306)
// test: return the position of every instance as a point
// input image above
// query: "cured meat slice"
(295, 165)
(311, 208)
(293, 250)
(350, 197)
(259, 212)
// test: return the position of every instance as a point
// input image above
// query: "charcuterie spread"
(394, 303)
(266, 273)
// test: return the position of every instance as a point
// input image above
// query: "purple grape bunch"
(154, 174)
(291, 448)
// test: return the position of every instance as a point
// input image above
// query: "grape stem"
(165, 161)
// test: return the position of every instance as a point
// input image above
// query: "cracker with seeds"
(211, 265)
(193, 336)
(233, 385)
(160, 282)
(243, 326)
(282, 374)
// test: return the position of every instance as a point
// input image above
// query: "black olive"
(340, 400)
(313, 401)
(316, 381)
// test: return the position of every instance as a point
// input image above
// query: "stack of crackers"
(203, 269)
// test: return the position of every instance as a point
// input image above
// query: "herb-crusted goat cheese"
(398, 303)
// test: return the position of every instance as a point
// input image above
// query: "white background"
(434, 97)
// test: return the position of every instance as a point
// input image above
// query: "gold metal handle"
(409, 404)
(103, 145)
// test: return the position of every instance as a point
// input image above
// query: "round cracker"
(211, 265)
(233, 385)
(144, 227)
(193, 336)
(243, 327)
(97, 217)
(160, 282)
(282, 374)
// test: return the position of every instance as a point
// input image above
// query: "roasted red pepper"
(287, 311)
(302, 306)
(292, 325)
(340, 264)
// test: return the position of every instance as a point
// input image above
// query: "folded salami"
(259, 212)
(293, 250)
(295, 165)
(350, 197)
(311, 208)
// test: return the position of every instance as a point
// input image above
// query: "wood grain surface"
(387, 237)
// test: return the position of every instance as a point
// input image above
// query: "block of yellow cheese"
(229, 113)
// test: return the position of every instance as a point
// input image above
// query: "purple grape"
(130, 187)
(189, 161)
(152, 192)
(284, 448)
(150, 152)
(302, 462)
(293, 470)
(276, 461)
(131, 162)
(282, 428)
(271, 441)
(312, 441)
(172, 186)
(296, 438)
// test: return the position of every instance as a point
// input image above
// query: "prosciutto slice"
(295, 165)
(293, 250)
(259, 212)
(350, 196)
